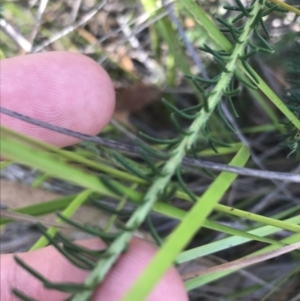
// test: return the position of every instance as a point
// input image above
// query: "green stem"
(157, 188)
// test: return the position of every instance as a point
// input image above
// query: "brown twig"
(131, 149)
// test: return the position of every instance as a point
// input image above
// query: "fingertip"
(57, 269)
(62, 88)
(130, 267)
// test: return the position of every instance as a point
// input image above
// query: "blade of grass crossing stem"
(17, 149)
(257, 218)
(177, 213)
(229, 242)
(190, 224)
(236, 232)
(248, 215)
(202, 280)
(12, 147)
(201, 17)
(70, 156)
(68, 212)
(42, 208)
(46, 162)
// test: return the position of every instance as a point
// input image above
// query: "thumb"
(56, 268)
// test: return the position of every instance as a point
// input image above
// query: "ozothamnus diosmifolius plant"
(248, 35)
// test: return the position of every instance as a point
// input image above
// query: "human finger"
(56, 268)
(62, 88)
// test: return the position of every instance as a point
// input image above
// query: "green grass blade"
(13, 148)
(42, 208)
(202, 280)
(229, 242)
(68, 212)
(258, 218)
(179, 238)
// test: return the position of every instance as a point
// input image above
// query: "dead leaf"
(132, 99)
(135, 97)
(15, 195)
(87, 36)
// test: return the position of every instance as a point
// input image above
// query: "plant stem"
(169, 169)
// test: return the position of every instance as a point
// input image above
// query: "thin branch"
(131, 149)
(70, 28)
(41, 10)
(182, 34)
(75, 9)
(18, 38)
(269, 198)
(244, 262)
(138, 28)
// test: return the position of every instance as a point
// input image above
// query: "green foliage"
(159, 174)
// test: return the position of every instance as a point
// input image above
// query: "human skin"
(72, 91)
